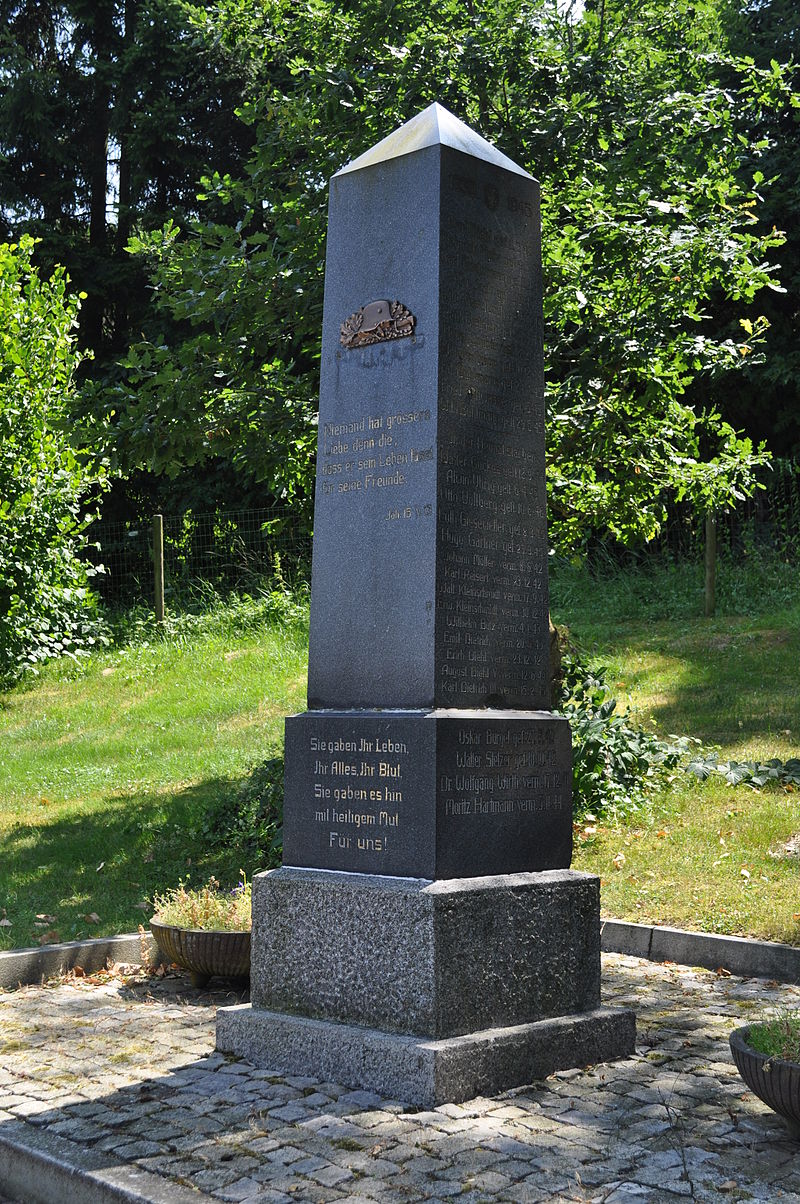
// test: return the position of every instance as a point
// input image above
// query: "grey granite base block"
(428, 959)
(422, 1071)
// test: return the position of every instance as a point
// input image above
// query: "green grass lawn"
(107, 770)
(702, 858)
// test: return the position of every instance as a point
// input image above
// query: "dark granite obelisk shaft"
(430, 555)
(425, 751)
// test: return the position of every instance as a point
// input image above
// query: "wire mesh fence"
(226, 550)
(233, 549)
(769, 521)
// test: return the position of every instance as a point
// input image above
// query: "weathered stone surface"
(431, 959)
(111, 1050)
(426, 1072)
(424, 757)
(438, 795)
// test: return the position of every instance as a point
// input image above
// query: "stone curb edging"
(743, 956)
(41, 1168)
(24, 967)
(739, 955)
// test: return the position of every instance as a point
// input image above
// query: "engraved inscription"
(377, 452)
(357, 787)
(509, 771)
(491, 538)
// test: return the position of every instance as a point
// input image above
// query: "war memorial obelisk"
(425, 937)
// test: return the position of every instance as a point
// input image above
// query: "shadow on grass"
(726, 681)
(111, 861)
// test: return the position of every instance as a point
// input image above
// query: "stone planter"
(774, 1081)
(204, 953)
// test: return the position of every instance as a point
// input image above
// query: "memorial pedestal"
(428, 794)
(425, 991)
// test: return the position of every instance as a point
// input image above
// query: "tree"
(46, 606)
(110, 110)
(637, 123)
(766, 396)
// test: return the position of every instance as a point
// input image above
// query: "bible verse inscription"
(375, 453)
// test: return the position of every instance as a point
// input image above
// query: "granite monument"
(425, 936)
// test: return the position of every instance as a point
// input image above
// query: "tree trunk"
(102, 36)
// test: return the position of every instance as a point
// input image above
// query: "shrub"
(46, 606)
(615, 765)
(251, 818)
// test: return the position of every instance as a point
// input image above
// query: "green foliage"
(250, 818)
(111, 766)
(206, 614)
(751, 773)
(661, 587)
(778, 1037)
(113, 90)
(206, 907)
(643, 127)
(766, 397)
(616, 766)
(46, 606)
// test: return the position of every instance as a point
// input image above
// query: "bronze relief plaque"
(376, 323)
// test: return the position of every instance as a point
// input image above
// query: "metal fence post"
(158, 565)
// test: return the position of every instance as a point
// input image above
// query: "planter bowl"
(204, 953)
(774, 1081)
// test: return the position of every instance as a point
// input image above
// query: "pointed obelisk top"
(433, 126)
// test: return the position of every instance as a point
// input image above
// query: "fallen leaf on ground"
(49, 938)
(47, 919)
(79, 971)
(92, 918)
(100, 866)
(619, 860)
(4, 923)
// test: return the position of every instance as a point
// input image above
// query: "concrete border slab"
(21, 967)
(742, 956)
(41, 1168)
(745, 956)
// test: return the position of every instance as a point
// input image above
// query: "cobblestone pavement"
(126, 1065)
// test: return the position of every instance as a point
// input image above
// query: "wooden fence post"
(158, 565)
(711, 563)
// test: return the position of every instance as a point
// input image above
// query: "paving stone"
(330, 1175)
(626, 1132)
